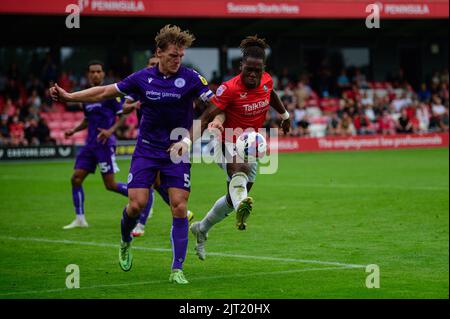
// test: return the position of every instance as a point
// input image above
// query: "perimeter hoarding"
(233, 8)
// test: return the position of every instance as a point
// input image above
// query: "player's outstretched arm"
(93, 94)
(129, 106)
(276, 103)
(106, 133)
(83, 125)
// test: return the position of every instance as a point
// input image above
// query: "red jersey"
(244, 108)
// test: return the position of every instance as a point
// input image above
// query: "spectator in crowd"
(345, 126)
(400, 102)
(436, 106)
(423, 117)
(386, 124)
(43, 133)
(4, 130)
(443, 124)
(9, 109)
(31, 132)
(34, 84)
(301, 121)
(343, 82)
(332, 124)
(424, 93)
(403, 124)
(34, 101)
(302, 92)
(360, 79)
(362, 123)
(16, 131)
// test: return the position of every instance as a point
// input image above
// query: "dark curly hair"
(254, 47)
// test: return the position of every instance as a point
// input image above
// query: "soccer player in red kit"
(244, 101)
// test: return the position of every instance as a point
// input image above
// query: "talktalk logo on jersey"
(256, 106)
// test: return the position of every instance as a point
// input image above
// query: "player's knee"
(76, 180)
(179, 208)
(135, 208)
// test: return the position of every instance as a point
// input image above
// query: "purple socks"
(179, 239)
(122, 188)
(127, 225)
(146, 211)
(78, 199)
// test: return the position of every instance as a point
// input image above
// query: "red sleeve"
(223, 97)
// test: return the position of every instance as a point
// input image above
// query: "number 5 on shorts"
(187, 182)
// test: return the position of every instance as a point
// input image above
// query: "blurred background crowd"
(320, 103)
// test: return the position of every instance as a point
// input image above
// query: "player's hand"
(104, 135)
(216, 125)
(178, 149)
(286, 126)
(59, 94)
(69, 133)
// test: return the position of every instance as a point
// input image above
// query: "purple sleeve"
(200, 87)
(129, 85)
(117, 105)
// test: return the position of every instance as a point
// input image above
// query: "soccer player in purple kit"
(132, 100)
(168, 92)
(100, 120)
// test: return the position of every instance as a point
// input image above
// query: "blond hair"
(173, 35)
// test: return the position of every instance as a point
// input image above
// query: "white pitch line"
(84, 243)
(279, 272)
(305, 185)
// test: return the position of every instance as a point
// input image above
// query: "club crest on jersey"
(150, 80)
(220, 90)
(203, 80)
(265, 88)
(180, 82)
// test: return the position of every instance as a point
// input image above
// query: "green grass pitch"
(315, 225)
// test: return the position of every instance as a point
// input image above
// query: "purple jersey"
(166, 104)
(101, 115)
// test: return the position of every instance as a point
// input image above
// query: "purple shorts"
(143, 172)
(103, 155)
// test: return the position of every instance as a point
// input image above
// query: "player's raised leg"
(77, 179)
(238, 193)
(113, 186)
(138, 198)
(179, 233)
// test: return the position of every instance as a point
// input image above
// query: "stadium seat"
(55, 116)
(54, 125)
(68, 116)
(66, 125)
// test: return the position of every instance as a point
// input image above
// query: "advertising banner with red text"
(339, 9)
(368, 142)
